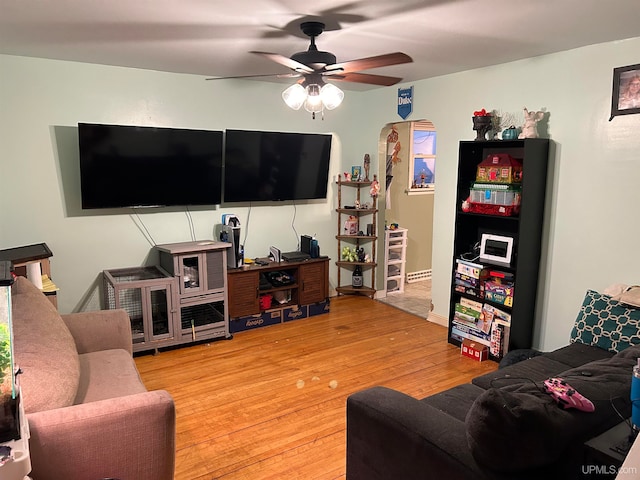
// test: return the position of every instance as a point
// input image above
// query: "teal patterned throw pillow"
(606, 323)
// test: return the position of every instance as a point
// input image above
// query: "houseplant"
(8, 403)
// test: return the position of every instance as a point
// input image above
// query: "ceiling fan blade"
(287, 62)
(378, 61)
(371, 79)
(276, 75)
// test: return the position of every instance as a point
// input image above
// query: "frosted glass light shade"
(294, 96)
(313, 103)
(313, 97)
(331, 96)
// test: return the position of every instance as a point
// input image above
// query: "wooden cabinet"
(313, 282)
(356, 233)
(309, 283)
(244, 293)
(524, 227)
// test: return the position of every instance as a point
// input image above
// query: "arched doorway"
(404, 201)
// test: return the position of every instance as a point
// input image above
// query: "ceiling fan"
(314, 62)
(313, 66)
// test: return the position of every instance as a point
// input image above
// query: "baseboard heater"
(418, 276)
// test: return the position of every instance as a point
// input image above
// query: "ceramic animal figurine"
(530, 127)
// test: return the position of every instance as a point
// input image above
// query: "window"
(422, 164)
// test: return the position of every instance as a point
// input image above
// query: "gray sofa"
(499, 426)
(89, 414)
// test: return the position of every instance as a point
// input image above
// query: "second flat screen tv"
(275, 166)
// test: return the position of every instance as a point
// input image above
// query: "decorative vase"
(482, 125)
(510, 133)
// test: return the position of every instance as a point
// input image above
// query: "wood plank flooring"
(270, 403)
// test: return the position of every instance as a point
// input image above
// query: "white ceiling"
(214, 37)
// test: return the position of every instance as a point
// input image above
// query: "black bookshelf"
(526, 228)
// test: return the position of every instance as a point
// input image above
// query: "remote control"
(566, 396)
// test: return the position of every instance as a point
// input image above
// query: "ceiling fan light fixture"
(294, 96)
(331, 96)
(312, 65)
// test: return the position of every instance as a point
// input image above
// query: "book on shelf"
(471, 269)
(467, 302)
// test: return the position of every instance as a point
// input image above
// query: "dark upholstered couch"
(499, 426)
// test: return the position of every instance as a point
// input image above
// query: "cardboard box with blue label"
(269, 317)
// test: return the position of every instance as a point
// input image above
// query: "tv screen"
(129, 166)
(275, 166)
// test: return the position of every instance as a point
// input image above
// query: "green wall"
(591, 231)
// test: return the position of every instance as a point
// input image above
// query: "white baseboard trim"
(418, 276)
(439, 319)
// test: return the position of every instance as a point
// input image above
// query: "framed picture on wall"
(625, 99)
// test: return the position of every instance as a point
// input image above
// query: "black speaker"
(235, 254)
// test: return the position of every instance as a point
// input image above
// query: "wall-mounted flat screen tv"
(275, 166)
(131, 166)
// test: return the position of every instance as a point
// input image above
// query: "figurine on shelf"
(510, 133)
(530, 127)
(375, 187)
(351, 225)
(347, 177)
(367, 165)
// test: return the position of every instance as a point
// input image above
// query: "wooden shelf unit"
(357, 240)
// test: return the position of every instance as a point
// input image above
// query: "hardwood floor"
(270, 403)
